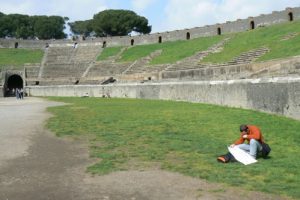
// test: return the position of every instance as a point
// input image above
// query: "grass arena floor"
(180, 137)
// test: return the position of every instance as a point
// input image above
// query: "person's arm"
(241, 140)
(254, 134)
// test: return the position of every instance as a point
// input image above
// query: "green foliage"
(271, 37)
(49, 27)
(119, 23)
(18, 57)
(171, 51)
(24, 26)
(181, 137)
(108, 52)
(81, 27)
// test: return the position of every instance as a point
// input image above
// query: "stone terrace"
(67, 63)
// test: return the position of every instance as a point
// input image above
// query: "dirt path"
(36, 165)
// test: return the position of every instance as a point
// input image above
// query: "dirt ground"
(37, 165)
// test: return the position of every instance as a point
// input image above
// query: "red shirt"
(253, 133)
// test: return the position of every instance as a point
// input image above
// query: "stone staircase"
(142, 65)
(244, 58)
(193, 61)
(289, 36)
(249, 56)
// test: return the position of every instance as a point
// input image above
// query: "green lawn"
(171, 51)
(181, 137)
(108, 52)
(270, 37)
(18, 57)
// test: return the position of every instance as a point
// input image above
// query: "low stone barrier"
(272, 95)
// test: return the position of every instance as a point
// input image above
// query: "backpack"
(226, 158)
(266, 149)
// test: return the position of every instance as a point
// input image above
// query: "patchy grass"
(109, 52)
(171, 51)
(181, 137)
(271, 37)
(18, 57)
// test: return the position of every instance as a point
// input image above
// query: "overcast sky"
(163, 15)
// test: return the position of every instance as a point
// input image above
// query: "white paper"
(241, 155)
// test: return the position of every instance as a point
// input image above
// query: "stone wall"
(210, 30)
(289, 67)
(278, 95)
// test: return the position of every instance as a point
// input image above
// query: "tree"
(49, 27)
(26, 27)
(119, 23)
(6, 28)
(81, 27)
(22, 28)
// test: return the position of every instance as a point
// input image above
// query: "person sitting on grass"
(254, 145)
(254, 138)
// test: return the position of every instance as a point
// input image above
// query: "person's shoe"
(221, 159)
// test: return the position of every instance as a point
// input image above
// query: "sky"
(162, 15)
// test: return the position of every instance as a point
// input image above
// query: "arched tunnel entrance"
(14, 81)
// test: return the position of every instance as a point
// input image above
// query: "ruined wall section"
(279, 95)
(289, 14)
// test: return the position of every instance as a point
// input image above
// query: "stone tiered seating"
(64, 70)
(193, 61)
(60, 54)
(243, 58)
(290, 36)
(87, 81)
(86, 54)
(139, 69)
(107, 68)
(68, 64)
(210, 73)
(142, 65)
(57, 81)
(290, 70)
(249, 56)
(32, 71)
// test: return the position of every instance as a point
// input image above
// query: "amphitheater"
(71, 68)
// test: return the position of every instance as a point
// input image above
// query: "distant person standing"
(17, 93)
(21, 93)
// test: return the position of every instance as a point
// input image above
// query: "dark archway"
(188, 35)
(14, 81)
(159, 39)
(16, 45)
(252, 25)
(132, 42)
(219, 31)
(291, 17)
